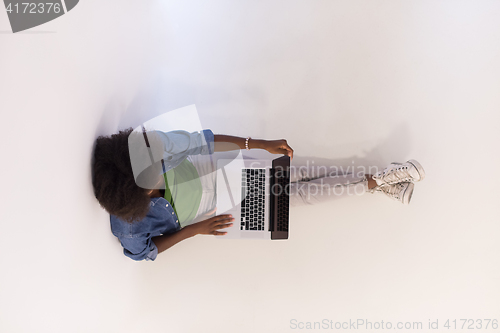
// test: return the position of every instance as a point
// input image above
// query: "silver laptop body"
(232, 189)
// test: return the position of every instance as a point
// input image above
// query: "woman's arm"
(228, 142)
(206, 227)
(167, 241)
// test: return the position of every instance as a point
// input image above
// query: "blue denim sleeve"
(139, 247)
(179, 144)
(209, 138)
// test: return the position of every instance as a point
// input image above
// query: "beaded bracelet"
(246, 143)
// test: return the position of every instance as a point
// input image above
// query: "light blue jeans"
(305, 190)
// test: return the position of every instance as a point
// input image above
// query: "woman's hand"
(278, 147)
(211, 225)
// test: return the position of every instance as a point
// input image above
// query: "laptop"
(256, 193)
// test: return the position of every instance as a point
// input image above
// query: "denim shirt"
(161, 218)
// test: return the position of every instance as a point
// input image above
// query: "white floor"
(345, 82)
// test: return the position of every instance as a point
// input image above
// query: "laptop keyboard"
(253, 188)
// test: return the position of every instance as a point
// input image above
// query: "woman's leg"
(310, 185)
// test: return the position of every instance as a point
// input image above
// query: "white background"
(345, 82)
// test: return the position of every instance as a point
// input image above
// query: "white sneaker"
(401, 192)
(411, 171)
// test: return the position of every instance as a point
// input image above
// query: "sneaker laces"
(392, 191)
(401, 174)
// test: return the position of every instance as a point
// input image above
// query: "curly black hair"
(113, 180)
